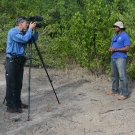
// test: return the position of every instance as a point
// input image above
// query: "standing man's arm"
(124, 49)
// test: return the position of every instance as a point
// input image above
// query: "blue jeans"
(118, 71)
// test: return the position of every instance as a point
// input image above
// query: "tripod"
(29, 63)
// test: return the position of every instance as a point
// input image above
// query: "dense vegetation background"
(73, 31)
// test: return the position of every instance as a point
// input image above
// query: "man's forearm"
(124, 49)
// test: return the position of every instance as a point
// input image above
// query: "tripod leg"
(46, 70)
(29, 77)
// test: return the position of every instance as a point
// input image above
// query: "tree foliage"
(76, 31)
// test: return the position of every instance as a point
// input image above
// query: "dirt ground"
(84, 107)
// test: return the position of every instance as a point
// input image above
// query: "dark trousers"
(14, 78)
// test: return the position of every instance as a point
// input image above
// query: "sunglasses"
(115, 27)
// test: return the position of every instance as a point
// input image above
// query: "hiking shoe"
(14, 110)
(111, 93)
(19, 110)
(23, 106)
(121, 97)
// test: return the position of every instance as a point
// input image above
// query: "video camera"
(36, 19)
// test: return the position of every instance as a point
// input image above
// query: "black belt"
(13, 55)
(18, 59)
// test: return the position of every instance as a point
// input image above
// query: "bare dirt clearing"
(85, 108)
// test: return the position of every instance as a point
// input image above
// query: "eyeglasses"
(115, 26)
(115, 41)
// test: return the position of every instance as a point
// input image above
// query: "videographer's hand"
(36, 29)
(32, 25)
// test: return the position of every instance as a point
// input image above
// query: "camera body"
(36, 19)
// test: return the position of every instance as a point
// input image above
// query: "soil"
(84, 109)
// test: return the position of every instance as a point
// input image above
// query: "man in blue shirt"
(15, 59)
(120, 45)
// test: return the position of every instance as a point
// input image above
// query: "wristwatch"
(115, 49)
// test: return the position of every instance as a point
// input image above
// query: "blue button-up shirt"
(17, 40)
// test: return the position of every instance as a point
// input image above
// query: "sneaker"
(111, 93)
(121, 97)
(14, 110)
(23, 106)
